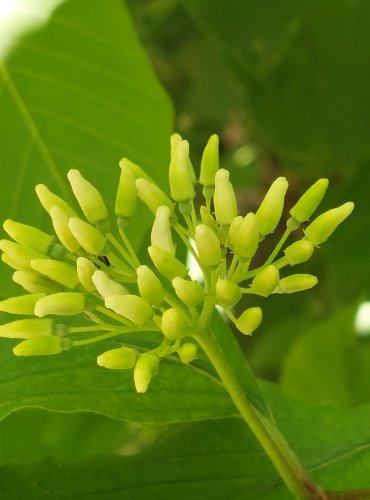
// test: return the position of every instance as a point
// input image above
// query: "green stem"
(277, 248)
(129, 247)
(121, 250)
(264, 429)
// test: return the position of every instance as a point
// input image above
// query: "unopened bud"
(265, 281)
(145, 369)
(40, 346)
(249, 321)
(309, 201)
(180, 175)
(149, 285)
(131, 307)
(187, 353)
(27, 328)
(175, 140)
(208, 246)
(271, 208)
(161, 236)
(126, 193)
(174, 325)
(28, 236)
(10, 262)
(210, 163)
(85, 270)
(189, 292)
(18, 253)
(227, 293)
(325, 224)
(247, 238)
(224, 198)
(152, 195)
(60, 219)
(49, 200)
(23, 304)
(296, 283)
(88, 236)
(208, 219)
(135, 170)
(62, 273)
(107, 287)
(62, 304)
(34, 283)
(299, 252)
(88, 197)
(233, 231)
(167, 264)
(122, 358)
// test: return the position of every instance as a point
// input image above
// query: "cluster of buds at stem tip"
(89, 269)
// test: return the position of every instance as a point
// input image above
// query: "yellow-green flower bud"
(174, 325)
(247, 238)
(309, 201)
(187, 353)
(122, 358)
(49, 200)
(176, 139)
(131, 307)
(271, 208)
(23, 304)
(88, 197)
(152, 195)
(62, 304)
(189, 292)
(85, 270)
(107, 287)
(210, 162)
(180, 175)
(88, 236)
(208, 246)
(249, 321)
(167, 264)
(10, 262)
(296, 283)
(28, 236)
(149, 285)
(145, 369)
(126, 193)
(265, 281)
(135, 170)
(40, 346)
(161, 236)
(27, 328)
(224, 198)
(60, 219)
(325, 224)
(298, 252)
(233, 231)
(19, 254)
(227, 293)
(34, 283)
(62, 273)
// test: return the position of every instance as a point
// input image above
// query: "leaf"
(72, 382)
(213, 460)
(329, 363)
(305, 66)
(78, 93)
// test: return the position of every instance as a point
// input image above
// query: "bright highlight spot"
(362, 320)
(194, 270)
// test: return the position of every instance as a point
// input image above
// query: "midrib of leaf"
(33, 129)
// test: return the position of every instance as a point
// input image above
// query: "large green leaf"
(77, 93)
(329, 363)
(213, 460)
(305, 66)
(72, 382)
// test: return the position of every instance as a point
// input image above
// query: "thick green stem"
(265, 430)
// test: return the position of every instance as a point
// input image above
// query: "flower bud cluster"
(89, 269)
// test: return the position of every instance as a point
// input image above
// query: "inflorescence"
(95, 275)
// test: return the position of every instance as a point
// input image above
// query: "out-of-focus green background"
(286, 85)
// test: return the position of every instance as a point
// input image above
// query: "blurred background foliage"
(285, 84)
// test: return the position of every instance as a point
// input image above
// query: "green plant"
(94, 274)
